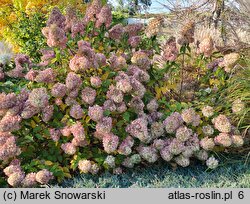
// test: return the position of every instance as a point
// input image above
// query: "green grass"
(231, 173)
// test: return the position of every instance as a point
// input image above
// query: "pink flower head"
(207, 143)
(58, 90)
(23, 95)
(46, 76)
(95, 81)
(70, 17)
(166, 154)
(193, 143)
(84, 166)
(55, 35)
(134, 41)
(138, 74)
(101, 59)
(44, 176)
(22, 60)
(29, 180)
(201, 155)
(237, 140)
(183, 133)
(169, 50)
(137, 104)
(15, 179)
(23, 64)
(47, 113)
(79, 142)
(29, 111)
(114, 94)
(223, 139)
(148, 153)
(208, 130)
(206, 47)
(222, 123)
(157, 129)
(110, 142)
(56, 17)
(78, 131)
(172, 122)
(159, 144)
(10, 123)
(104, 17)
(92, 11)
(126, 145)
(31, 75)
(68, 148)
(77, 27)
(207, 111)
(73, 81)
(12, 168)
(54, 134)
(138, 128)
(133, 29)
(121, 107)
(66, 131)
(124, 85)
(83, 44)
(137, 87)
(116, 32)
(39, 98)
(104, 125)
(94, 169)
(141, 59)
(117, 62)
(176, 147)
(88, 95)
(9, 149)
(109, 105)
(152, 105)
(78, 64)
(182, 161)
(76, 112)
(7, 100)
(47, 55)
(189, 116)
(73, 93)
(127, 163)
(95, 113)
(71, 101)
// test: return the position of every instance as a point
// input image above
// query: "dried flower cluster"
(98, 108)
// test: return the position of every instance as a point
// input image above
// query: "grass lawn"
(231, 173)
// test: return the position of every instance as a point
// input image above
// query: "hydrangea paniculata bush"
(94, 105)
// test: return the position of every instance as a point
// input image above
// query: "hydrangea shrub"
(93, 103)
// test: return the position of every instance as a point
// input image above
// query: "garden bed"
(92, 96)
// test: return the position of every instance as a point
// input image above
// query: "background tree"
(135, 6)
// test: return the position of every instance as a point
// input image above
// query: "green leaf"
(107, 113)
(37, 129)
(126, 116)
(38, 136)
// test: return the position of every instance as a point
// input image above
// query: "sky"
(154, 8)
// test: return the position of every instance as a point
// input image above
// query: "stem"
(182, 72)
(70, 50)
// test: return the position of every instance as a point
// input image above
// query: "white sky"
(155, 7)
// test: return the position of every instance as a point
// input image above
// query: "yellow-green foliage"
(103, 100)
(13, 13)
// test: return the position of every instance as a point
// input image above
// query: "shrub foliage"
(105, 96)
